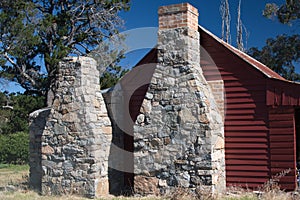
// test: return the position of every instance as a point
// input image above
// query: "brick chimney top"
(178, 16)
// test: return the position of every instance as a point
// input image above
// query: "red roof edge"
(151, 57)
(258, 65)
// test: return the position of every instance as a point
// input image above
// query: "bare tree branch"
(239, 27)
(225, 14)
(21, 69)
(50, 30)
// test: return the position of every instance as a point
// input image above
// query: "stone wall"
(178, 135)
(37, 124)
(70, 143)
(178, 131)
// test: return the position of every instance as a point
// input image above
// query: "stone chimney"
(178, 25)
(179, 134)
(70, 142)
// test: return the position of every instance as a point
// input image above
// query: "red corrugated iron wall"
(246, 129)
(283, 145)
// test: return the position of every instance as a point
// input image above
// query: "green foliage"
(14, 148)
(18, 42)
(15, 110)
(281, 55)
(48, 31)
(286, 13)
(111, 76)
(14, 114)
(14, 168)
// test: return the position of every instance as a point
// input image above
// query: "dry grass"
(13, 175)
(13, 186)
(29, 195)
(261, 195)
(269, 191)
(180, 193)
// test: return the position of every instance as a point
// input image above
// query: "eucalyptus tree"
(36, 34)
(282, 53)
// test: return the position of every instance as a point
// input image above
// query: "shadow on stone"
(37, 124)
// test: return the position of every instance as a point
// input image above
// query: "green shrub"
(14, 148)
(15, 119)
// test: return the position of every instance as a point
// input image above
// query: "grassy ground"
(14, 175)
(14, 186)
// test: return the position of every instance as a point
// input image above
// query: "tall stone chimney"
(178, 135)
(178, 36)
(70, 142)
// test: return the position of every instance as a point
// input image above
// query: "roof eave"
(235, 50)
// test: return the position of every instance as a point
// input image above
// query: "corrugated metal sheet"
(251, 61)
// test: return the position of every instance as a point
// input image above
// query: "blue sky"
(143, 14)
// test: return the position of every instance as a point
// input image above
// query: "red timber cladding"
(138, 95)
(136, 101)
(246, 114)
(283, 93)
(282, 144)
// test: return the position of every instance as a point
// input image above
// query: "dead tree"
(225, 14)
(239, 30)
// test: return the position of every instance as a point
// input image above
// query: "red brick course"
(178, 16)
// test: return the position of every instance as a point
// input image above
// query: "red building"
(261, 114)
